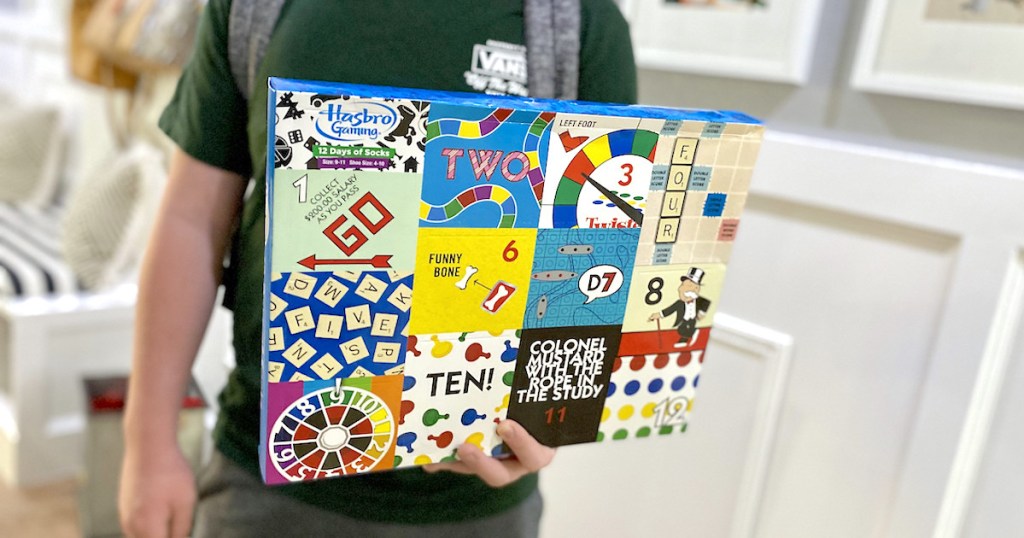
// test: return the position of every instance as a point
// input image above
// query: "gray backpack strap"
(249, 27)
(553, 47)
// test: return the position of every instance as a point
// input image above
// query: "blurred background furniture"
(75, 208)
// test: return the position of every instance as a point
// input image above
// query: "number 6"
(510, 253)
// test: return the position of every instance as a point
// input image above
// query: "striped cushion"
(31, 262)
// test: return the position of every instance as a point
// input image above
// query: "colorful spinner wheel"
(629, 156)
(331, 433)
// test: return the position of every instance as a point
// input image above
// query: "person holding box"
(459, 45)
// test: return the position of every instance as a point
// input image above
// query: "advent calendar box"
(439, 262)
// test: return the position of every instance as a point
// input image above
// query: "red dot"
(661, 361)
(617, 364)
(637, 363)
(684, 359)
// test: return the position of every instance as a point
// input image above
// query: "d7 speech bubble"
(600, 281)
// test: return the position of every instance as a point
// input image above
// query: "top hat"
(695, 274)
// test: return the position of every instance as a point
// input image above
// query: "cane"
(658, 321)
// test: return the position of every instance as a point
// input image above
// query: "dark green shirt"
(384, 42)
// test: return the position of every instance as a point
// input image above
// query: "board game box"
(438, 262)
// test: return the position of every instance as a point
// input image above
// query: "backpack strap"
(249, 27)
(568, 29)
(552, 33)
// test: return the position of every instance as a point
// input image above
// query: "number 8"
(654, 290)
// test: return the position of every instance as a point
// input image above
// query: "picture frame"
(906, 49)
(725, 39)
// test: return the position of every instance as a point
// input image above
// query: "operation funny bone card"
(439, 262)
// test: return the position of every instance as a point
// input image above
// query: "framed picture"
(755, 39)
(966, 51)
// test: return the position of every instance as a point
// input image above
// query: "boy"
(222, 141)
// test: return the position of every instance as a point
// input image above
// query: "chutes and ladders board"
(439, 262)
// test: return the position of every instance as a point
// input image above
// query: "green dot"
(398, 461)
(664, 430)
(683, 430)
(643, 432)
(450, 457)
(600, 437)
(638, 197)
(624, 195)
(614, 192)
(620, 435)
(507, 378)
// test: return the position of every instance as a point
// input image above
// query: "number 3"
(628, 172)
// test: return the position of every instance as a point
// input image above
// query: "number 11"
(551, 414)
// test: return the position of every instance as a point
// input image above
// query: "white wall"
(827, 106)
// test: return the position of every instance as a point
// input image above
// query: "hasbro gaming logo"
(356, 121)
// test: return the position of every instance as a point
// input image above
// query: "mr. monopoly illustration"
(689, 309)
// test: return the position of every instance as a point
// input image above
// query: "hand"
(157, 493)
(654, 316)
(528, 456)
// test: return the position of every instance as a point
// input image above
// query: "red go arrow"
(380, 261)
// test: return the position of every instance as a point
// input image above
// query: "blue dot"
(609, 204)
(678, 383)
(695, 381)
(655, 386)
(408, 383)
(598, 202)
(611, 389)
(632, 387)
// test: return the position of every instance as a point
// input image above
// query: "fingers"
(494, 472)
(530, 457)
(530, 453)
(181, 519)
(144, 523)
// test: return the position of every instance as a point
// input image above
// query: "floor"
(50, 511)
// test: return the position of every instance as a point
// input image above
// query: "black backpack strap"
(552, 31)
(249, 27)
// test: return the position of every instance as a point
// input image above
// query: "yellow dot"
(476, 439)
(689, 406)
(648, 410)
(605, 414)
(625, 412)
(423, 459)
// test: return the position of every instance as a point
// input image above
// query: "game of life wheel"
(332, 433)
(621, 162)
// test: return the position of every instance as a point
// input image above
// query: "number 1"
(301, 183)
